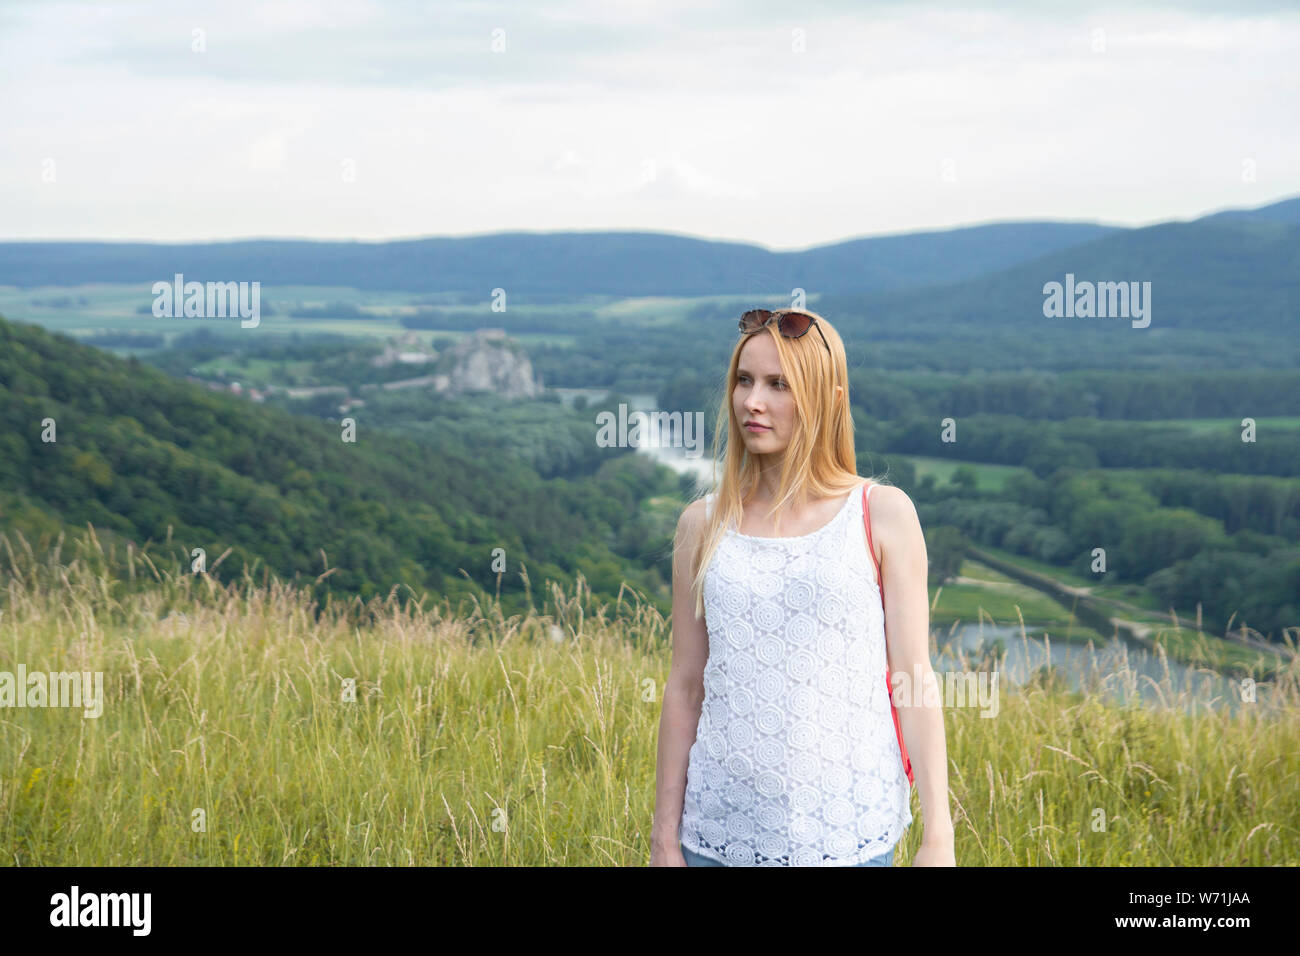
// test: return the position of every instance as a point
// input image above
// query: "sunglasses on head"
(789, 322)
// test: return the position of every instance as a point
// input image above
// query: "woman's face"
(762, 401)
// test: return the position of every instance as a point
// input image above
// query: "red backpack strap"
(880, 585)
(871, 549)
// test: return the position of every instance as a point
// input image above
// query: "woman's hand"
(936, 852)
(666, 854)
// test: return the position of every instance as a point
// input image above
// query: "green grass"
(112, 307)
(1064, 575)
(1182, 642)
(255, 371)
(1206, 426)
(1130, 594)
(1186, 644)
(967, 602)
(477, 739)
(987, 477)
(982, 572)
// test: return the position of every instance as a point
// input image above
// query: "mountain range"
(1223, 273)
(1240, 244)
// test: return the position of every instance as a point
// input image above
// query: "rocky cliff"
(487, 361)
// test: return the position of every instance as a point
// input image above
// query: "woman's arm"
(896, 531)
(683, 695)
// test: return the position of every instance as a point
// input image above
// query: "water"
(1116, 668)
(674, 457)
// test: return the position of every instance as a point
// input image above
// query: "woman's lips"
(757, 428)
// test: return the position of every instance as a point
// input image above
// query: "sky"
(786, 125)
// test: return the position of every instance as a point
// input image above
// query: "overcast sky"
(788, 125)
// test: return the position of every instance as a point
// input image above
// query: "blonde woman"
(777, 742)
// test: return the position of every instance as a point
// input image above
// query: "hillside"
(144, 457)
(1239, 246)
(1222, 274)
(558, 263)
(1286, 211)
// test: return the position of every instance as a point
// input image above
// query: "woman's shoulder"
(890, 504)
(694, 516)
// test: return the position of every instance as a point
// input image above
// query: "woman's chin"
(762, 444)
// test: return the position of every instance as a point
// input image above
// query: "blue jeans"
(694, 859)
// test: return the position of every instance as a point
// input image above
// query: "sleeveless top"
(796, 759)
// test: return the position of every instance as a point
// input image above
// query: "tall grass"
(481, 739)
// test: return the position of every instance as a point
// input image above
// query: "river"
(1120, 670)
(1115, 667)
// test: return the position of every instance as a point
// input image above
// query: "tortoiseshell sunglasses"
(789, 322)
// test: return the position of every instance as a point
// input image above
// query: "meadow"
(229, 736)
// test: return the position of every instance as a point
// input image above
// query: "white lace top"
(796, 759)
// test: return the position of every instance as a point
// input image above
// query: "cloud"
(675, 179)
(757, 120)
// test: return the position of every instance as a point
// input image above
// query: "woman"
(777, 745)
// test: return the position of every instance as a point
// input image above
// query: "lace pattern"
(796, 760)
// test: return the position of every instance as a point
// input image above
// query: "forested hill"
(136, 452)
(556, 263)
(1222, 273)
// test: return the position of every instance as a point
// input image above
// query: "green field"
(112, 307)
(228, 737)
(1064, 575)
(1210, 425)
(970, 604)
(987, 477)
(1184, 642)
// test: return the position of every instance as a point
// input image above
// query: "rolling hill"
(173, 466)
(558, 264)
(1222, 273)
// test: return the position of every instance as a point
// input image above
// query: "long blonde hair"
(818, 462)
